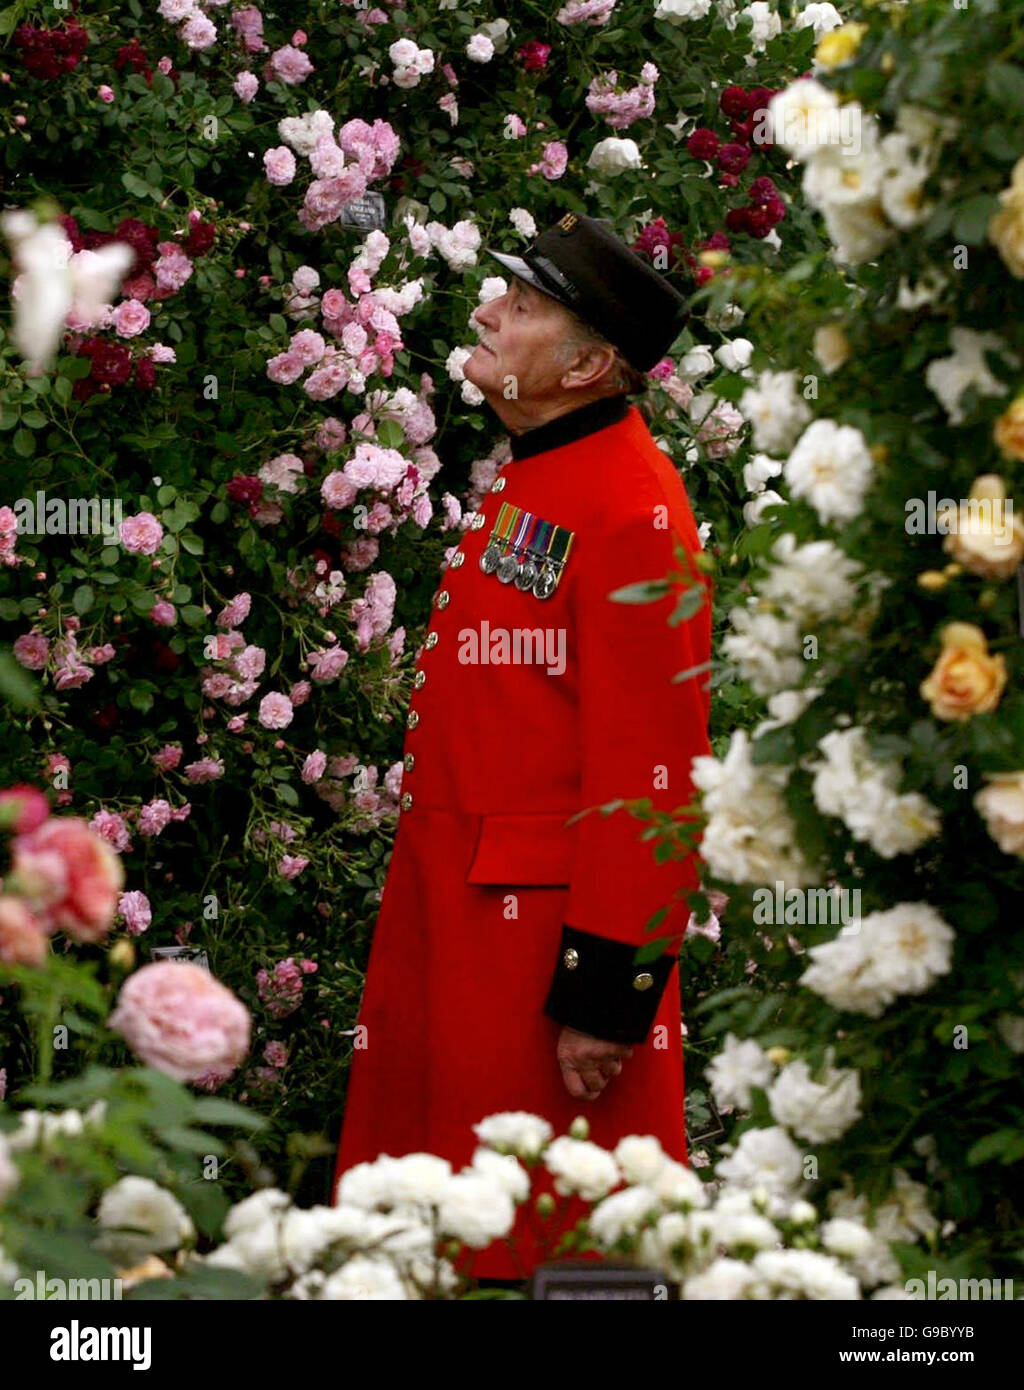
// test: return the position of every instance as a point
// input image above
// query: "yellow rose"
(1009, 430)
(831, 346)
(1006, 227)
(965, 680)
(1001, 806)
(839, 45)
(932, 580)
(985, 536)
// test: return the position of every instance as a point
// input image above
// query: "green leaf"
(390, 434)
(970, 222)
(17, 687)
(83, 598)
(192, 543)
(140, 698)
(646, 591)
(24, 442)
(287, 794)
(214, 1110)
(1005, 85)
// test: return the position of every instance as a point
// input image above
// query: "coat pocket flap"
(532, 849)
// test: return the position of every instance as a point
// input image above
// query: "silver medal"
(545, 584)
(526, 576)
(507, 567)
(489, 559)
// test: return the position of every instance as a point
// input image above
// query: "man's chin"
(480, 368)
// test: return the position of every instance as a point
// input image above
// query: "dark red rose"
(145, 374)
(703, 274)
(729, 181)
(132, 55)
(200, 239)
(534, 55)
(243, 488)
(330, 524)
(111, 362)
(738, 219)
(733, 158)
(743, 131)
(762, 190)
(141, 239)
(703, 143)
(735, 102)
(717, 241)
(107, 718)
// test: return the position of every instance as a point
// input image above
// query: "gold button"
(405, 801)
(498, 484)
(443, 599)
(478, 521)
(419, 680)
(644, 980)
(431, 641)
(413, 720)
(409, 762)
(571, 959)
(457, 560)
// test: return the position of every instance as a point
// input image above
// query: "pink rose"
(291, 865)
(300, 692)
(141, 534)
(23, 808)
(32, 650)
(178, 1019)
(164, 614)
(289, 65)
(275, 711)
(112, 828)
(245, 86)
(235, 612)
(168, 757)
(134, 908)
(22, 938)
(130, 318)
(328, 664)
(337, 490)
(82, 898)
(205, 770)
(313, 767)
(279, 165)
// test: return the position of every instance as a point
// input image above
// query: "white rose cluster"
(808, 585)
(750, 836)
(776, 411)
(862, 792)
(816, 1109)
(900, 951)
(830, 466)
(949, 377)
(154, 1218)
(411, 62)
(867, 186)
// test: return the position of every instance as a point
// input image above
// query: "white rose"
(695, 364)
(475, 1210)
(523, 222)
(678, 11)
(480, 49)
(735, 356)
(621, 1215)
(831, 346)
(816, 1111)
(733, 1071)
(514, 1131)
(640, 1157)
(831, 467)
(505, 1171)
(367, 1279)
(612, 156)
(582, 1167)
(161, 1222)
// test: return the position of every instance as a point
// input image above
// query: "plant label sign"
(188, 953)
(590, 1279)
(367, 213)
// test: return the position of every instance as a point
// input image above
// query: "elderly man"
(503, 974)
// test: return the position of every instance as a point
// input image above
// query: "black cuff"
(599, 989)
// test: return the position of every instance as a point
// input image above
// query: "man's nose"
(488, 315)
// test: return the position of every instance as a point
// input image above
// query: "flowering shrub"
(245, 447)
(883, 633)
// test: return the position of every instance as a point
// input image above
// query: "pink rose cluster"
(73, 666)
(367, 802)
(181, 1021)
(400, 484)
(593, 12)
(280, 990)
(9, 538)
(63, 877)
(343, 164)
(622, 106)
(235, 677)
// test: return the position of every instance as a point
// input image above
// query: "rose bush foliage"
(217, 684)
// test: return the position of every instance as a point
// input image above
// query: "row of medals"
(525, 573)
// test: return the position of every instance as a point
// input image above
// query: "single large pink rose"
(71, 874)
(22, 938)
(180, 1020)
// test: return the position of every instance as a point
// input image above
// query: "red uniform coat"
(486, 878)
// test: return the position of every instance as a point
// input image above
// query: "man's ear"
(593, 364)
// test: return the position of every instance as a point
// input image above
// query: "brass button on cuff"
(457, 560)
(478, 521)
(419, 680)
(405, 801)
(413, 720)
(443, 599)
(431, 641)
(570, 959)
(498, 484)
(409, 761)
(644, 980)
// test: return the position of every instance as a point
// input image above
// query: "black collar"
(566, 429)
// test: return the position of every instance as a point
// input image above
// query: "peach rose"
(1006, 227)
(1001, 805)
(22, 938)
(180, 1020)
(984, 535)
(965, 680)
(1009, 430)
(72, 876)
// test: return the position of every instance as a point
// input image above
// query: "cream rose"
(985, 536)
(1001, 806)
(965, 680)
(1009, 430)
(1006, 227)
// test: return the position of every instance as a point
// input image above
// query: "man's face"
(520, 334)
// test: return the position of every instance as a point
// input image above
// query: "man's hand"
(587, 1063)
